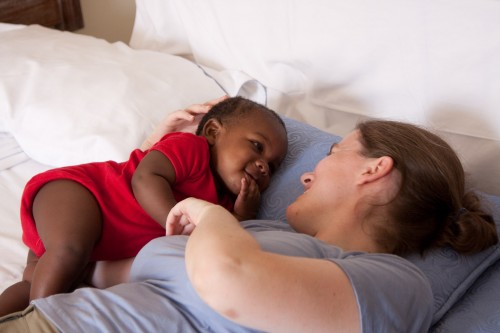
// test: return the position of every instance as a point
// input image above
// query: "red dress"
(126, 227)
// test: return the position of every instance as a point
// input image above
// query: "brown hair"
(431, 208)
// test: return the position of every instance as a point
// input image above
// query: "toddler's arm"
(151, 184)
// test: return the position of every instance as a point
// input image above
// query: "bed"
(322, 64)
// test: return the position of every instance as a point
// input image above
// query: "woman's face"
(328, 189)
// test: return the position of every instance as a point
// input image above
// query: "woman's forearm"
(218, 255)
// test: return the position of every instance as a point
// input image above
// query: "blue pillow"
(450, 273)
(307, 145)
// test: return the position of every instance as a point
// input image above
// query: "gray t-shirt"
(393, 295)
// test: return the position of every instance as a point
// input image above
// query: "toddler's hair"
(232, 108)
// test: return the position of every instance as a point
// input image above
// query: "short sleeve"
(389, 291)
(187, 152)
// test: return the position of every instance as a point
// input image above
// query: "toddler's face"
(252, 147)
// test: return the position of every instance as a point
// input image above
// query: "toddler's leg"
(16, 297)
(68, 220)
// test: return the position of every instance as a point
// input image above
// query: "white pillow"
(71, 99)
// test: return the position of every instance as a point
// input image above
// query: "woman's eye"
(330, 152)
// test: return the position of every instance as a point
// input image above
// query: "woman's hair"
(431, 208)
(232, 109)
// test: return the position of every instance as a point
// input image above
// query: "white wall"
(112, 20)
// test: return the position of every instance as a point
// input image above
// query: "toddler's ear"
(211, 130)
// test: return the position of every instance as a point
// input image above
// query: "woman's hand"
(185, 215)
(186, 120)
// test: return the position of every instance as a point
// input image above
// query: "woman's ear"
(376, 168)
(211, 130)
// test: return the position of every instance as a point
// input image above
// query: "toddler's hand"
(248, 200)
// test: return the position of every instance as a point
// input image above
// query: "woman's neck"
(350, 236)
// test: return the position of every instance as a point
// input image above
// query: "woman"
(387, 188)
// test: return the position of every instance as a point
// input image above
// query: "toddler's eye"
(258, 146)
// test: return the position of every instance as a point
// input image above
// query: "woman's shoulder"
(389, 289)
(279, 237)
(392, 266)
(392, 283)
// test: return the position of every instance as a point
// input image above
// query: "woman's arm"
(267, 291)
(180, 121)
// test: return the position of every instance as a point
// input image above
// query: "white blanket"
(331, 63)
(71, 99)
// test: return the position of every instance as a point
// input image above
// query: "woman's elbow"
(219, 283)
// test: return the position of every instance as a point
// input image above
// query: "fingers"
(182, 120)
(249, 188)
(248, 200)
(179, 226)
(176, 221)
(185, 120)
(184, 216)
(196, 109)
(217, 100)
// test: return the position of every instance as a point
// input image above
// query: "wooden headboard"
(59, 14)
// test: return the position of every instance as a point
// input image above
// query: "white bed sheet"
(71, 99)
(15, 170)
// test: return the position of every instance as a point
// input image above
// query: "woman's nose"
(307, 179)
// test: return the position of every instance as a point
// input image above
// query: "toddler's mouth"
(251, 176)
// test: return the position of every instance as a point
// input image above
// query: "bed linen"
(81, 94)
(332, 63)
(67, 98)
(15, 169)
